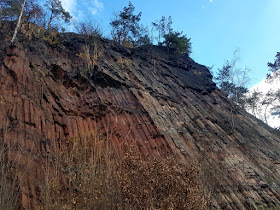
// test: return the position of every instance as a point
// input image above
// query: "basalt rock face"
(166, 104)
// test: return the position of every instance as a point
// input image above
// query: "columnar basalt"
(164, 104)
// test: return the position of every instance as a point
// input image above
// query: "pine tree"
(179, 43)
(125, 26)
(57, 12)
(232, 80)
(273, 67)
(10, 9)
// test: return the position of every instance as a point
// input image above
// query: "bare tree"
(89, 28)
(163, 26)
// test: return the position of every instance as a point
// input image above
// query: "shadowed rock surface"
(165, 104)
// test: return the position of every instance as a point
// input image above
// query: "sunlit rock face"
(50, 93)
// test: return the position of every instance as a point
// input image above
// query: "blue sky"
(216, 27)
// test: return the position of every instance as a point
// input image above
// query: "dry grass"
(86, 175)
(159, 184)
(91, 59)
(51, 38)
(125, 63)
(9, 189)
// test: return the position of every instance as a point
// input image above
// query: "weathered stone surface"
(144, 95)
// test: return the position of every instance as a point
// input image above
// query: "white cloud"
(94, 11)
(98, 5)
(69, 5)
(210, 1)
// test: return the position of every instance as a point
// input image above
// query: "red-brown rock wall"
(144, 96)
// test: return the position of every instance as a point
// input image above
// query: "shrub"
(52, 38)
(125, 63)
(89, 29)
(178, 42)
(91, 59)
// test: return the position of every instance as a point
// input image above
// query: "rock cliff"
(50, 92)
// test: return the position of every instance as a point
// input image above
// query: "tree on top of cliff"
(10, 10)
(276, 65)
(57, 12)
(163, 26)
(34, 12)
(125, 26)
(178, 42)
(233, 80)
(274, 68)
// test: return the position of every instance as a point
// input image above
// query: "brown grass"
(51, 38)
(9, 189)
(86, 175)
(125, 63)
(9, 174)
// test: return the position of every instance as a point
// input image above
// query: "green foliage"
(10, 10)
(178, 42)
(232, 80)
(34, 12)
(125, 26)
(253, 100)
(57, 12)
(274, 68)
(235, 92)
(143, 40)
(276, 65)
(270, 97)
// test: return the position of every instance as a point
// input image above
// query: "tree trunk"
(18, 23)
(49, 23)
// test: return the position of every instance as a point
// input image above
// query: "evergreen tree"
(57, 12)
(232, 80)
(253, 101)
(125, 26)
(273, 67)
(179, 43)
(10, 9)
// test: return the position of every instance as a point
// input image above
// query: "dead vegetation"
(87, 174)
(91, 58)
(9, 189)
(125, 63)
(51, 38)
